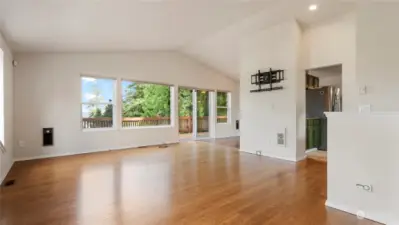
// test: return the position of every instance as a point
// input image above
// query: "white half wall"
(352, 161)
(265, 114)
(48, 90)
(7, 109)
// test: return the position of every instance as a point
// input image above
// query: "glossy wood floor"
(189, 183)
(228, 142)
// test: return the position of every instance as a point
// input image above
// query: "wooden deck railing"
(185, 122)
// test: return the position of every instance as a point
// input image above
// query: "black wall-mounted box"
(237, 124)
(48, 134)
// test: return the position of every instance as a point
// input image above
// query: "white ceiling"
(221, 49)
(208, 30)
(116, 25)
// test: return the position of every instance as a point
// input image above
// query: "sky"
(104, 87)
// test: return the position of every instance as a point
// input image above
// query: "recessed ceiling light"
(313, 7)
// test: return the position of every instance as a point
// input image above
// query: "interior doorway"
(194, 111)
(323, 94)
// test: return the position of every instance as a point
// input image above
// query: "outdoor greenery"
(185, 102)
(222, 106)
(222, 99)
(153, 100)
(146, 100)
(202, 103)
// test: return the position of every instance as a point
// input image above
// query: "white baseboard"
(84, 152)
(354, 212)
(233, 136)
(280, 157)
(277, 157)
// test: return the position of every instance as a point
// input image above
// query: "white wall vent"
(281, 138)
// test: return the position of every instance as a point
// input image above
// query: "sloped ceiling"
(116, 25)
(221, 49)
(207, 30)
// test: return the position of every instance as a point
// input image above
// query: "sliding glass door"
(202, 114)
(194, 113)
(186, 125)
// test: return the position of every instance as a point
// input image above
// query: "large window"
(98, 102)
(222, 107)
(145, 104)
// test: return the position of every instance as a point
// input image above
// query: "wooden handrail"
(147, 118)
(185, 122)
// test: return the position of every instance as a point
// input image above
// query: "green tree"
(95, 113)
(185, 102)
(202, 103)
(146, 100)
(222, 99)
(108, 111)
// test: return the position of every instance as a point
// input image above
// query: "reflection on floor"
(317, 155)
(187, 136)
(191, 183)
(228, 142)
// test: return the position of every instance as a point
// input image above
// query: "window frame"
(120, 111)
(228, 107)
(114, 103)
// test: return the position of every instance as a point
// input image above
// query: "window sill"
(99, 129)
(227, 123)
(146, 127)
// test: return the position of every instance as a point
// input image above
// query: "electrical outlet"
(365, 187)
(258, 152)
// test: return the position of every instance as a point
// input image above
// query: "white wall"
(334, 42)
(352, 160)
(265, 114)
(6, 159)
(377, 55)
(48, 90)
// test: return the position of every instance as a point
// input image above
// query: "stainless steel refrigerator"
(318, 101)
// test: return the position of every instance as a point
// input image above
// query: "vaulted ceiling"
(208, 30)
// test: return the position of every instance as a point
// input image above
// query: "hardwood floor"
(318, 155)
(188, 183)
(228, 142)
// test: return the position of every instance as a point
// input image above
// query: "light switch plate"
(363, 90)
(365, 109)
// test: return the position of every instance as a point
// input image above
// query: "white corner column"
(264, 114)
